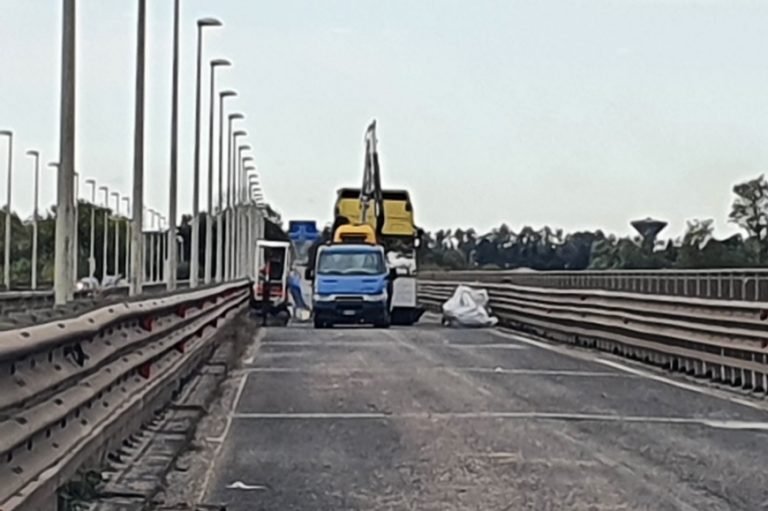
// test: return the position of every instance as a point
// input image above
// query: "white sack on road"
(468, 308)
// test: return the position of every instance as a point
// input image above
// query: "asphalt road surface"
(428, 418)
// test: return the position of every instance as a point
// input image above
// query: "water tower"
(649, 230)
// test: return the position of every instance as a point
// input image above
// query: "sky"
(579, 114)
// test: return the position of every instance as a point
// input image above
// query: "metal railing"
(734, 284)
(73, 389)
(722, 339)
(21, 300)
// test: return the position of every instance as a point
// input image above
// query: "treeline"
(553, 249)
(21, 244)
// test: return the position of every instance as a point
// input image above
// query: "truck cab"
(351, 286)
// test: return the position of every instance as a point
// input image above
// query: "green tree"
(750, 212)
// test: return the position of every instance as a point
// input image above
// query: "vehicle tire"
(383, 322)
(319, 324)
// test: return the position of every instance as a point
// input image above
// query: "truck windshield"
(351, 263)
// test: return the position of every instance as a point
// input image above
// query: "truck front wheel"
(384, 322)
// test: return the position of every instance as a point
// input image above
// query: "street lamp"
(135, 284)
(106, 234)
(246, 164)
(127, 201)
(232, 218)
(65, 256)
(116, 196)
(36, 155)
(75, 253)
(174, 170)
(209, 214)
(76, 237)
(7, 253)
(193, 277)
(231, 159)
(249, 173)
(91, 257)
(241, 160)
(240, 225)
(162, 241)
(220, 213)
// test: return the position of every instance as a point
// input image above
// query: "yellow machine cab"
(355, 233)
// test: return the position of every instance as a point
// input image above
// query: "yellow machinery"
(397, 211)
(383, 218)
(355, 233)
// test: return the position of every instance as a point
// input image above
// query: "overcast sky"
(573, 113)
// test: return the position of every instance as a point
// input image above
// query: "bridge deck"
(429, 418)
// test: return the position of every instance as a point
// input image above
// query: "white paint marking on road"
(239, 485)
(516, 457)
(591, 357)
(341, 371)
(487, 346)
(219, 440)
(254, 347)
(541, 416)
(325, 344)
(385, 344)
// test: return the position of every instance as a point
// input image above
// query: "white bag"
(467, 307)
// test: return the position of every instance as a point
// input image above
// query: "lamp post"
(174, 170)
(127, 201)
(151, 240)
(76, 222)
(195, 260)
(239, 241)
(250, 234)
(116, 196)
(7, 251)
(246, 166)
(91, 257)
(63, 284)
(230, 241)
(220, 212)
(106, 234)
(137, 192)
(163, 241)
(209, 213)
(36, 155)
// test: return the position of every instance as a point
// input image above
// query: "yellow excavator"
(384, 218)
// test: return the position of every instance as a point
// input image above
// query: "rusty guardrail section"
(724, 340)
(73, 390)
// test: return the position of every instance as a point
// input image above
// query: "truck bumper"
(341, 312)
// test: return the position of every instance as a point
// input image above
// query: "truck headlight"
(322, 298)
(376, 298)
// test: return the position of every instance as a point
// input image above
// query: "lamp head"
(208, 22)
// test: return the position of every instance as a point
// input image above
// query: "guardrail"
(724, 340)
(21, 300)
(733, 284)
(73, 390)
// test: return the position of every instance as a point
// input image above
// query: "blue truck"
(351, 286)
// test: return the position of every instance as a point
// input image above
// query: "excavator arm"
(371, 196)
